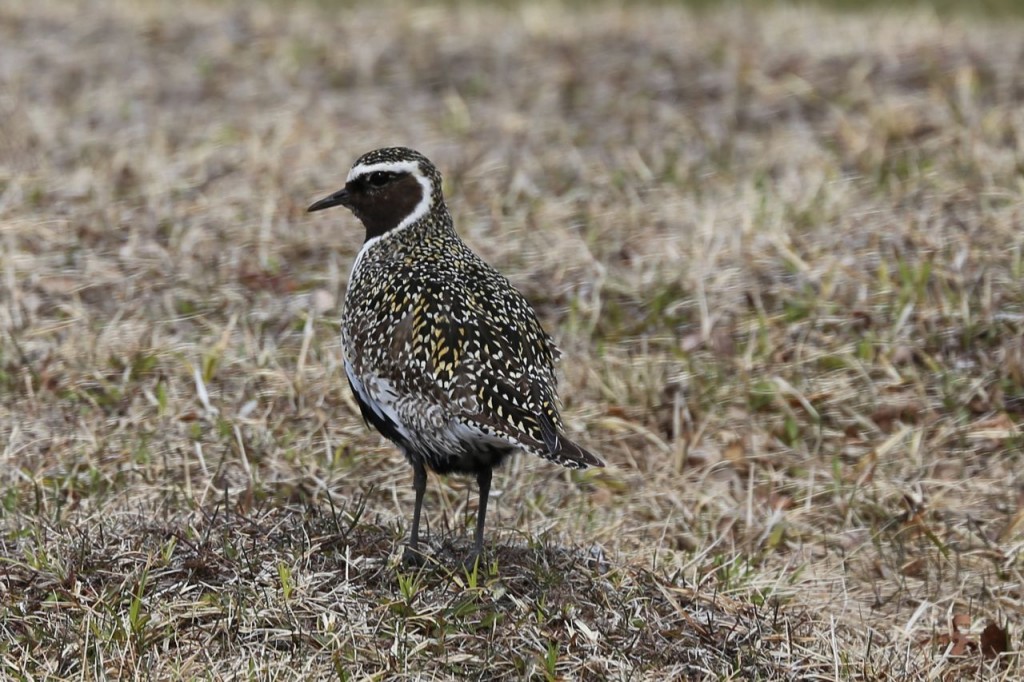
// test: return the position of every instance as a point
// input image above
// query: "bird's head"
(388, 189)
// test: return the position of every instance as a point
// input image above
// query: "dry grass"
(782, 251)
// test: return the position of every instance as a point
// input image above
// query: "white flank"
(380, 395)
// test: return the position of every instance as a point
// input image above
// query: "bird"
(444, 356)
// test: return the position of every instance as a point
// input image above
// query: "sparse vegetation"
(780, 248)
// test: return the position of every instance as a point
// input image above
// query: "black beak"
(339, 198)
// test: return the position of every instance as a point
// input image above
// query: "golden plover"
(445, 357)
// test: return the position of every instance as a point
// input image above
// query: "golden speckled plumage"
(445, 356)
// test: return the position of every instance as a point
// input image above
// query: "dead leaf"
(914, 568)
(861, 319)
(60, 286)
(886, 415)
(994, 641)
(955, 644)
(996, 428)
(258, 280)
(616, 411)
(736, 455)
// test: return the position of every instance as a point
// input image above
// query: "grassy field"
(782, 251)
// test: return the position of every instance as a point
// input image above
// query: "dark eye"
(380, 178)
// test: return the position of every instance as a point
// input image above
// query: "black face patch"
(383, 199)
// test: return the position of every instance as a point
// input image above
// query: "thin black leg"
(483, 479)
(419, 484)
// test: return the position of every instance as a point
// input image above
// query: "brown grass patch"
(782, 251)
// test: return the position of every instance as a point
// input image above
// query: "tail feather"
(573, 456)
(561, 450)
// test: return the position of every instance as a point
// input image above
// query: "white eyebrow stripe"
(410, 167)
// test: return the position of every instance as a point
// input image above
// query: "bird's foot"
(412, 557)
(474, 562)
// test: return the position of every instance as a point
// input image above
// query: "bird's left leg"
(483, 479)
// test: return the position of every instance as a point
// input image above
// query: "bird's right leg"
(412, 555)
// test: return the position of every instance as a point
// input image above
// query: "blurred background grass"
(943, 8)
(780, 248)
(991, 8)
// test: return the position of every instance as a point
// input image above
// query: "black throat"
(382, 209)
